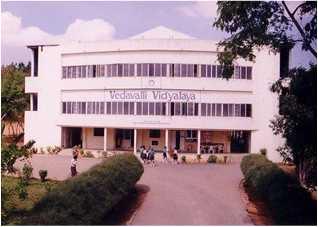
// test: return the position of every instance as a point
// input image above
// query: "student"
(151, 155)
(73, 166)
(143, 154)
(175, 155)
(165, 154)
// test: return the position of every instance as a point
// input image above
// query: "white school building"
(159, 88)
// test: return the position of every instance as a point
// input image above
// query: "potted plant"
(43, 174)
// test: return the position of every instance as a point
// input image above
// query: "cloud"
(199, 9)
(14, 37)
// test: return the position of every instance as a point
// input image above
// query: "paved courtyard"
(196, 194)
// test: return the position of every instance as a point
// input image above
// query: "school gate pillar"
(199, 142)
(105, 139)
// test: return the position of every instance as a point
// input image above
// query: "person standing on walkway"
(175, 155)
(151, 155)
(73, 165)
(165, 154)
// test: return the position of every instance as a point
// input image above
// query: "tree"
(14, 101)
(297, 121)
(255, 24)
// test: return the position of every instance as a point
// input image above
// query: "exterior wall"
(44, 125)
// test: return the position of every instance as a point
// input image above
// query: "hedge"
(288, 202)
(86, 199)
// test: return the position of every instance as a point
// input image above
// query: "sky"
(25, 23)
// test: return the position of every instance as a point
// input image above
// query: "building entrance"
(72, 136)
(124, 139)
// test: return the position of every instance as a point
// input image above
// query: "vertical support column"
(199, 142)
(31, 102)
(83, 138)
(105, 139)
(167, 139)
(135, 141)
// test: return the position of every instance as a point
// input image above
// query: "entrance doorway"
(178, 140)
(124, 139)
(72, 136)
(240, 141)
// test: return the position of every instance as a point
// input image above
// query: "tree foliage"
(298, 119)
(255, 24)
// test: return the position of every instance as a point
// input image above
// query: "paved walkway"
(193, 194)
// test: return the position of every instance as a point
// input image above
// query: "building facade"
(159, 88)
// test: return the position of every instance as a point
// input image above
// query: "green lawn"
(16, 208)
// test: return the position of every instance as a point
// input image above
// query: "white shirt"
(73, 162)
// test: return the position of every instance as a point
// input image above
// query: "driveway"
(192, 195)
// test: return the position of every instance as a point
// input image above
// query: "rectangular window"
(145, 71)
(125, 70)
(83, 107)
(102, 107)
(63, 107)
(97, 108)
(208, 71)
(84, 70)
(109, 70)
(97, 70)
(108, 107)
(209, 109)
(243, 72)
(231, 110)
(126, 108)
(225, 110)
(94, 71)
(243, 110)
(237, 72)
(183, 70)
(157, 70)
(219, 71)
(163, 70)
(145, 108)
(177, 107)
(151, 108)
(151, 70)
(195, 70)
(218, 110)
(64, 72)
(172, 109)
(213, 110)
(177, 70)
(154, 133)
(196, 109)
(190, 70)
(190, 109)
(102, 70)
(131, 108)
(120, 69)
(249, 73)
(114, 70)
(163, 108)
(73, 72)
(98, 131)
(139, 71)
(237, 110)
(69, 107)
(114, 107)
(158, 108)
(192, 134)
(172, 70)
(131, 70)
(184, 109)
(120, 108)
(93, 108)
(203, 109)
(139, 108)
(74, 108)
(213, 71)
(203, 70)
(248, 110)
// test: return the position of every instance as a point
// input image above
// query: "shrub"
(212, 159)
(184, 159)
(27, 172)
(43, 174)
(42, 150)
(56, 149)
(87, 198)
(49, 149)
(263, 151)
(288, 202)
(21, 189)
(104, 154)
(250, 160)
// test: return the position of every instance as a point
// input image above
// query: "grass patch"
(17, 208)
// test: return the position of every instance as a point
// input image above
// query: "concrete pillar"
(105, 139)
(167, 138)
(135, 141)
(199, 142)
(31, 102)
(84, 138)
